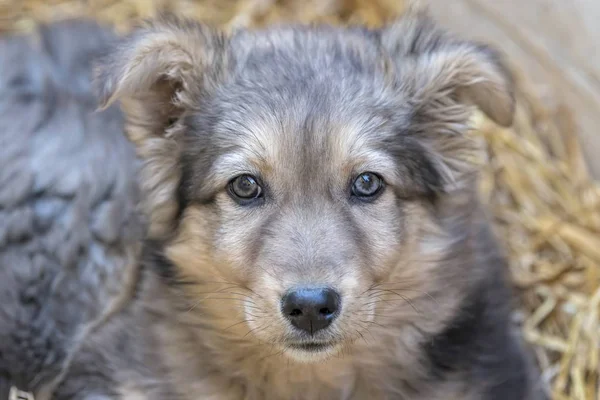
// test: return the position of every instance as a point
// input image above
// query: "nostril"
(296, 313)
(325, 311)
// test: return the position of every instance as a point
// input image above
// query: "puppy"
(315, 231)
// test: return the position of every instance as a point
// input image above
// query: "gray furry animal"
(70, 228)
(315, 231)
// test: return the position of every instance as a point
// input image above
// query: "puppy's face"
(300, 199)
(295, 172)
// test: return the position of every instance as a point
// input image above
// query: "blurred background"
(539, 178)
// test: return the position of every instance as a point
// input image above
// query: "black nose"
(311, 309)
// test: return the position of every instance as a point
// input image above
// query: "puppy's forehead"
(294, 52)
(305, 127)
(301, 101)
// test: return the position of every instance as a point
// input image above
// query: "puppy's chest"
(309, 390)
(359, 389)
(337, 385)
(317, 391)
(364, 375)
(377, 383)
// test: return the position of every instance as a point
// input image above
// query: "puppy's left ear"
(437, 67)
(440, 78)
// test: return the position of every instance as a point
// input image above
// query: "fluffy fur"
(70, 230)
(425, 309)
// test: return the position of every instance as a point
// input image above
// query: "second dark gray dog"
(69, 225)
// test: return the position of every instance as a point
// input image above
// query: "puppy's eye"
(245, 187)
(367, 185)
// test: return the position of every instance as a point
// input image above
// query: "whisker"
(392, 301)
(239, 323)
(228, 298)
(402, 297)
(253, 292)
(257, 329)
(376, 315)
(217, 291)
(245, 298)
(212, 298)
(421, 292)
(219, 282)
(374, 323)
(252, 315)
(362, 336)
(366, 330)
(241, 294)
(272, 355)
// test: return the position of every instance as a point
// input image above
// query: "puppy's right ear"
(159, 72)
(162, 67)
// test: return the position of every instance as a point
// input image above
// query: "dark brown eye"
(367, 185)
(245, 187)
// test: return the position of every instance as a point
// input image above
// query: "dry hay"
(546, 207)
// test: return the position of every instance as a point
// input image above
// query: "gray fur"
(69, 224)
(306, 109)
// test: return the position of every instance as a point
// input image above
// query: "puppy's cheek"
(356, 318)
(264, 325)
(264, 313)
(352, 287)
(237, 238)
(383, 231)
(191, 249)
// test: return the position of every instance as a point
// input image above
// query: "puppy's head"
(303, 177)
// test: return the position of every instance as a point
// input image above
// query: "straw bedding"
(545, 206)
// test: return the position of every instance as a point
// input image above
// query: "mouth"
(312, 347)
(311, 352)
